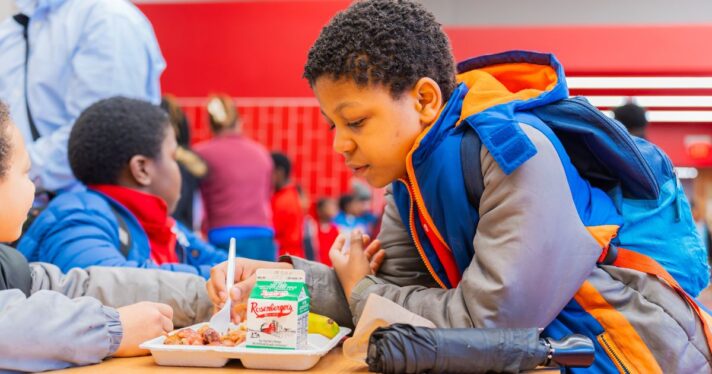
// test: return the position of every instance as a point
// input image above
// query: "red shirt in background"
(288, 219)
(152, 213)
(238, 187)
(326, 235)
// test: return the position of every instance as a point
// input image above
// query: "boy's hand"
(374, 254)
(140, 322)
(356, 263)
(244, 281)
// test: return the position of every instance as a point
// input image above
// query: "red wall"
(258, 49)
(605, 50)
(247, 49)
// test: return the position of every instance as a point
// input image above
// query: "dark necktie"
(24, 21)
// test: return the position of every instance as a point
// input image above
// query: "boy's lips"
(358, 169)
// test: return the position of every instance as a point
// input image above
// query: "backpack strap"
(15, 272)
(124, 233)
(628, 259)
(470, 147)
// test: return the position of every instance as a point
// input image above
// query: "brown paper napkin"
(378, 312)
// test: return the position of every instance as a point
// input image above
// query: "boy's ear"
(429, 100)
(140, 170)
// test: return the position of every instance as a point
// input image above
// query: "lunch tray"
(251, 358)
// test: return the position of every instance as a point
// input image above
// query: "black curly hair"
(109, 133)
(5, 146)
(388, 42)
(281, 162)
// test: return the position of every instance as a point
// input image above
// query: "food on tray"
(206, 336)
(240, 310)
(322, 325)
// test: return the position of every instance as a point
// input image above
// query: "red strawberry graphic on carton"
(269, 328)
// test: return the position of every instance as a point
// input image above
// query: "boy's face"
(372, 130)
(279, 178)
(329, 210)
(305, 201)
(16, 189)
(363, 206)
(165, 179)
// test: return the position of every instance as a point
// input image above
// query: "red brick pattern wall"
(293, 126)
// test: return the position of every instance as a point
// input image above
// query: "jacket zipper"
(613, 353)
(182, 244)
(414, 235)
(678, 205)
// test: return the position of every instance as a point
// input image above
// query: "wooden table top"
(332, 362)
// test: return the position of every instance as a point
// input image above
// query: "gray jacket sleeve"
(49, 331)
(327, 296)
(117, 287)
(532, 252)
(63, 323)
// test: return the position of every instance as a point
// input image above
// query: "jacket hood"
(523, 79)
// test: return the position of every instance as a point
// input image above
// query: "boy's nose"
(343, 144)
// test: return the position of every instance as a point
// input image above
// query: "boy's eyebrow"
(338, 108)
(343, 105)
(325, 116)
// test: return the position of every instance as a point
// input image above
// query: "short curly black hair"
(388, 42)
(281, 162)
(109, 133)
(5, 146)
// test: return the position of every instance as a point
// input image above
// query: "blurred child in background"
(353, 214)
(287, 209)
(311, 244)
(326, 211)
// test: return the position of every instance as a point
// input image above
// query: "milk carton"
(277, 310)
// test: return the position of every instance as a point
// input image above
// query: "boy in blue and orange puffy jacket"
(530, 252)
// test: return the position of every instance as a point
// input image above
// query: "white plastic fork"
(221, 320)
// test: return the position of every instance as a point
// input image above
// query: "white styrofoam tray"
(251, 358)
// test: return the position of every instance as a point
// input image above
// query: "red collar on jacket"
(152, 213)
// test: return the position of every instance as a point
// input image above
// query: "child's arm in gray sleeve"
(327, 296)
(118, 286)
(50, 331)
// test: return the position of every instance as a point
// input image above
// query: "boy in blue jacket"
(123, 151)
(529, 252)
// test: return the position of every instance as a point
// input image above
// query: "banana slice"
(322, 325)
